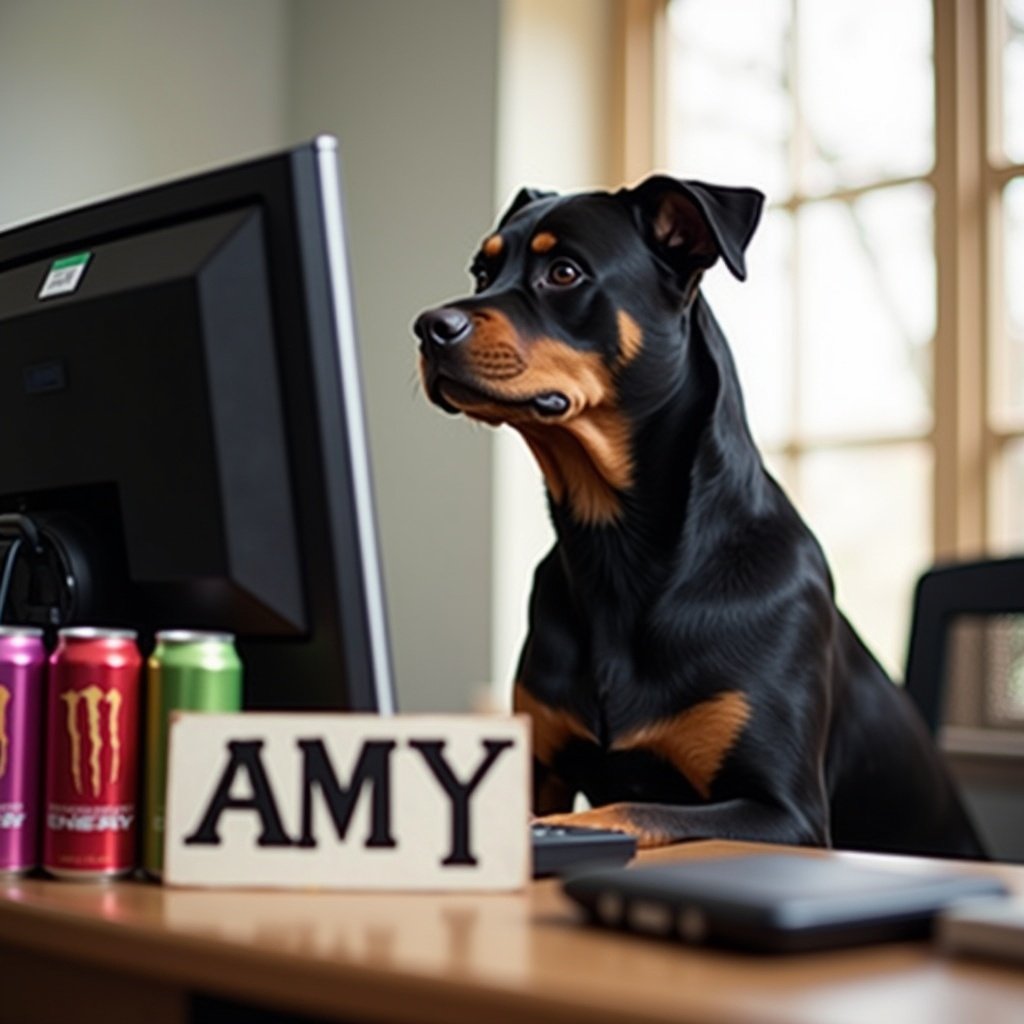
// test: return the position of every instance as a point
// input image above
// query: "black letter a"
(244, 754)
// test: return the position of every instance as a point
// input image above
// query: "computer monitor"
(184, 442)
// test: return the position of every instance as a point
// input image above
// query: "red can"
(92, 754)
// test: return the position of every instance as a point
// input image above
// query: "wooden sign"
(347, 801)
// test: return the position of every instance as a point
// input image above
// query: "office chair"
(981, 589)
(960, 675)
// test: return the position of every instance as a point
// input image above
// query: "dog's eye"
(563, 274)
(481, 278)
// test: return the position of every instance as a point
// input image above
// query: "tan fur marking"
(568, 456)
(544, 242)
(585, 454)
(614, 816)
(697, 740)
(492, 246)
(553, 728)
(544, 445)
(494, 352)
(631, 338)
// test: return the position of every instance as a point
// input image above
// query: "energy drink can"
(187, 671)
(22, 679)
(92, 754)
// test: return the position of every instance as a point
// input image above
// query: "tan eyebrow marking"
(492, 246)
(544, 242)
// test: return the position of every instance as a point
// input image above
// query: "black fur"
(682, 579)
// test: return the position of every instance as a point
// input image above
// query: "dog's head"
(577, 329)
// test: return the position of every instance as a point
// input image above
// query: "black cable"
(8, 572)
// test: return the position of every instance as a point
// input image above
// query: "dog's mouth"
(456, 396)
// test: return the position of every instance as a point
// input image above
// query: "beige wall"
(101, 96)
(409, 88)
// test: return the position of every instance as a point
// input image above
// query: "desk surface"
(450, 958)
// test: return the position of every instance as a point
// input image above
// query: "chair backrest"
(978, 589)
(965, 673)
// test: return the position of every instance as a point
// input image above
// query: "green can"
(187, 671)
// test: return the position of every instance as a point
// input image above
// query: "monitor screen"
(184, 439)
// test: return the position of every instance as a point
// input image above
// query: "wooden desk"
(134, 952)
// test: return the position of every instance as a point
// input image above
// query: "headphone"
(45, 577)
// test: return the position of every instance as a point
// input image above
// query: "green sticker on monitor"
(64, 275)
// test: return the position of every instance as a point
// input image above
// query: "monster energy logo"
(5, 741)
(94, 699)
(58, 821)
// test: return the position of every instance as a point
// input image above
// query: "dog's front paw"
(633, 819)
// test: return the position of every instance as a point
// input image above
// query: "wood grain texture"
(434, 958)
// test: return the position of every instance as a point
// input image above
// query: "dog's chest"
(618, 746)
(607, 719)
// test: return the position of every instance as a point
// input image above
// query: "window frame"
(967, 179)
(969, 432)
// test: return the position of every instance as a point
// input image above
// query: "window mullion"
(960, 390)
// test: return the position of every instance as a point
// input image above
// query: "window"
(880, 338)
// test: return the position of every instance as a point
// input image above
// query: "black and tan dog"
(686, 667)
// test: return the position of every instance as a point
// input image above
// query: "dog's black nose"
(444, 326)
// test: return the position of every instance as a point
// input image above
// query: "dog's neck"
(626, 499)
(587, 463)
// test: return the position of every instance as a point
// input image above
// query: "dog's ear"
(523, 198)
(691, 223)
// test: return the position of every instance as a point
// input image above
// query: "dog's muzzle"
(456, 378)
